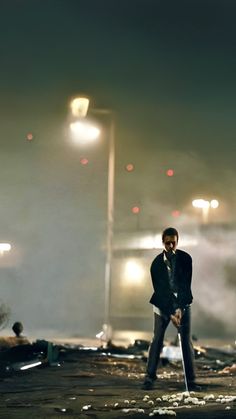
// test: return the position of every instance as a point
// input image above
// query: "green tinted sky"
(167, 67)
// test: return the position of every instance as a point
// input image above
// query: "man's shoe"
(148, 384)
(192, 386)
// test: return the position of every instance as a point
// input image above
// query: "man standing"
(171, 273)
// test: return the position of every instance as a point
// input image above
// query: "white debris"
(178, 399)
(116, 405)
(86, 407)
(175, 404)
(230, 398)
(164, 411)
(126, 401)
(193, 400)
(165, 397)
(227, 408)
(151, 402)
(158, 399)
(133, 402)
(180, 396)
(134, 410)
(186, 393)
(209, 397)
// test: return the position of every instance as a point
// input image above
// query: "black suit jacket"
(162, 296)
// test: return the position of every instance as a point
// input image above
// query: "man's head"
(170, 237)
(17, 328)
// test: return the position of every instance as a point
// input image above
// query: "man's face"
(170, 243)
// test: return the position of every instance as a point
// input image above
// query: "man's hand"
(176, 317)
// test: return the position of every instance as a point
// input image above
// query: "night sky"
(167, 71)
(167, 68)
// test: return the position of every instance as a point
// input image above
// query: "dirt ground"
(89, 385)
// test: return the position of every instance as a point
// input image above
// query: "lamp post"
(79, 107)
(205, 206)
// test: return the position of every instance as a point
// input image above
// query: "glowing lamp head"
(79, 107)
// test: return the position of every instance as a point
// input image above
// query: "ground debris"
(96, 385)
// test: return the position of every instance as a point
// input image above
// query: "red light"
(29, 136)
(84, 161)
(175, 213)
(135, 210)
(129, 167)
(170, 172)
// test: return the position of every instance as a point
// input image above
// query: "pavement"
(87, 384)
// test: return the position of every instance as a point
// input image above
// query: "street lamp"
(205, 206)
(81, 128)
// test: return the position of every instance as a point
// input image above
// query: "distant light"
(175, 213)
(200, 203)
(129, 167)
(29, 136)
(170, 172)
(135, 210)
(214, 203)
(79, 107)
(5, 247)
(84, 161)
(133, 273)
(84, 132)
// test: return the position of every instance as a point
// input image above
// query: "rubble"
(116, 383)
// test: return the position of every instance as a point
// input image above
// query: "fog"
(214, 282)
(53, 213)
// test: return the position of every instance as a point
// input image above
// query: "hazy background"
(167, 70)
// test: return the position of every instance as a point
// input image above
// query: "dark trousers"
(160, 325)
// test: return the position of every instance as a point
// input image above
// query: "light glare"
(133, 273)
(35, 364)
(214, 203)
(5, 247)
(84, 132)
(200, 203)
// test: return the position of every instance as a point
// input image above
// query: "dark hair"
(170, 231)
(17, 328)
